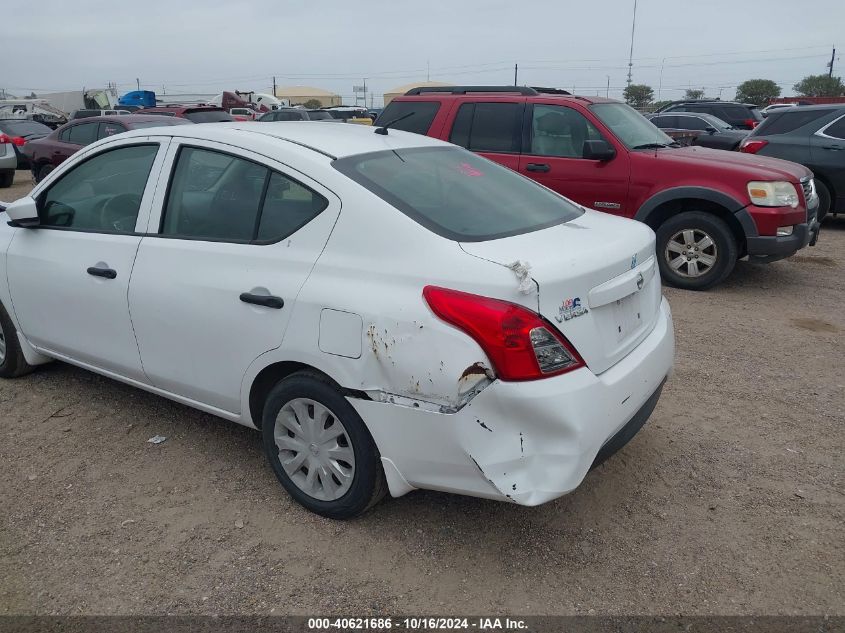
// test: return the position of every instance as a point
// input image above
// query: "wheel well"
(664, 211)
(268, 378)
(830, 189)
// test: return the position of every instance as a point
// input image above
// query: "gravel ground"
(729, 501)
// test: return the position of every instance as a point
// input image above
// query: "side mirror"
(598, 150)
(23, 212)
(711, 130)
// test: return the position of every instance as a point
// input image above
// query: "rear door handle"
(108, 273)
(543, 167)
(833, 147)
(268, 301)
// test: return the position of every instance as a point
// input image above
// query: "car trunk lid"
(597, 281)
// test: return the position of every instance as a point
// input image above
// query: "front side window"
(629, 126)
(83, 134)
(488, 127)
(560, 132)
(101, 194)
(420, 115)
(692, 123)
(457, 194)
(220, 197)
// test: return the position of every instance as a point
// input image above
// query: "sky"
(192, 46)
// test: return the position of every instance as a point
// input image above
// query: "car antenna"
(382, 129)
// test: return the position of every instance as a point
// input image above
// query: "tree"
(313, 104)
(693, 94)
(757, 91)
(820, 86)
(638, 95)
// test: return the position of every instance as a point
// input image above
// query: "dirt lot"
(730, 500)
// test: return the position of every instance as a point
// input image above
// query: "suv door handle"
(108, 273)
(833, 147)
(543, 167)
(268, 301)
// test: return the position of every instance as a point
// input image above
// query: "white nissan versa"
(393, 312)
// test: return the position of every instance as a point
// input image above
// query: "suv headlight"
(773, 194)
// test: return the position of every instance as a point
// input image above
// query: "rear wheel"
(696, 250)
(320, 449)
(43, 172)
(824, 200)
(12, 361)
(7, 178)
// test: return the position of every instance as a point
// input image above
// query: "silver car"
(8, 161)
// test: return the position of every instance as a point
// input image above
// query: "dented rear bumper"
(527, 442)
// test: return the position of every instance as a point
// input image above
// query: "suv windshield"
(457, 194)
(207, 116)
(630, 127)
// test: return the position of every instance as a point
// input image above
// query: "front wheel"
(824, 200)
(696, 250)
(320, 449)
(12, 361)
(43, 172)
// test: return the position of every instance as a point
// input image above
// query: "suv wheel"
(696, 250)
(320, 449)
(824, 200)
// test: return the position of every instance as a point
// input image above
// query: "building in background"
(400, 90)
(298, 95)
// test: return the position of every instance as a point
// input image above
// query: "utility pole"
(515, 70)
(607, 93)
(274, 85)
(660, 85)
(830, 65)
(138, 83)
(365, 93)
(631, 53)
(428, 70)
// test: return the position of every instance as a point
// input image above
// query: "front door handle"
(268, 301)
(108, 273)
(833, 147)
(542, 167)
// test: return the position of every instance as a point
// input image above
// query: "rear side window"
(837, 130)
(787, 121)
(665, 121)
(457, 194)
(219, 197)
(733, 113)
(692, 123)
(488, 127)
(110, 129)
(422, 115)
(83, 134)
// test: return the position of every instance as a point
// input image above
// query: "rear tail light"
(4, 139)
(750, 146)
(18, 140)
(520, 344)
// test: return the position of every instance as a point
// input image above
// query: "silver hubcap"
(691, 253)
(2, 344)
(314, 449)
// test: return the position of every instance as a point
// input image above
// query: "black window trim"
(253, 242)
(39, 201)
(518, 132)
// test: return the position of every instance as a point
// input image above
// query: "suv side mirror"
(711, 130)
(598, 150)
(23, 212)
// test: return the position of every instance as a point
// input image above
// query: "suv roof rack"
(462, 90)
(551, 91)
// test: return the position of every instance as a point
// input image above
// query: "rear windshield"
(318, 115)
(23, 127)
(208, 116)
(457, 194)
(788, 120)
(422, 114)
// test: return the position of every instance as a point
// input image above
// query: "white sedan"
(393, 312)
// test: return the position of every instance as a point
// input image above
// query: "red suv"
(708, 207)
(195, 114)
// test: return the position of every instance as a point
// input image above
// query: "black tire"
(368, 484)
(12, 363)
(724, 250)
(7, 178)
(824, 200)
(43, 172)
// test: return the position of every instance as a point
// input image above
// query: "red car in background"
(47, 153)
